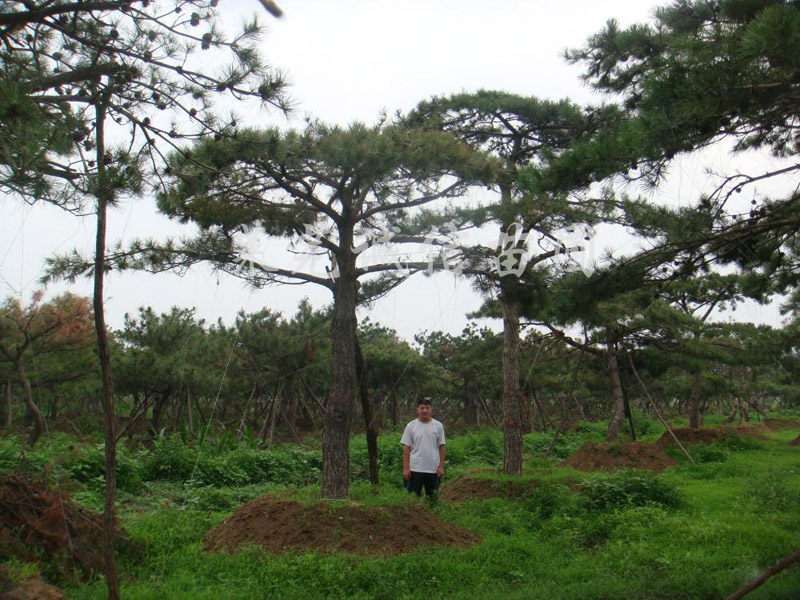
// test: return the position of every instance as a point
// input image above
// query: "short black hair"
(423, 402)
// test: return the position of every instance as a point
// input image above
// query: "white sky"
(347, 61)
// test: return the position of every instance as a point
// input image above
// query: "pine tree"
(523, 133)
(342, 190)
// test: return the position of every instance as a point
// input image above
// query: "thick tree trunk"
(512, 413)
(369, 416)
(616, 393)
(104, 195)
(336, 420)
(33, 410)
(470, 408)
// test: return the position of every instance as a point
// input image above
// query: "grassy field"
(694, 531)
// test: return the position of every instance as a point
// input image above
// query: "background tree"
(38, 330)
(468, 378)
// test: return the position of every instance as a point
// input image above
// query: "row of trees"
(706, 70)
(266, 374)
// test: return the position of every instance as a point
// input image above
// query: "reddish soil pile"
(618, 455)
(287, 525)
(795, 441)
(34, 518)
(709, 435)
(465, 489)
(756, 431)
(33, 588)
(781, 424)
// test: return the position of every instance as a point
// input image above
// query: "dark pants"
(417, 480)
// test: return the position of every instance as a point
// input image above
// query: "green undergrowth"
(696, 531)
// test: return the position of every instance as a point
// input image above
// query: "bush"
(547, 499)
(767, 492)
(733, 441)
(705, 453)
(171, 460)
(89, 467)
(484, 447)
(626, 489)
(567, 443)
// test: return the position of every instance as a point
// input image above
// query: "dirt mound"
(33, 588)
(756, 431)
(781, 424)
(619, 455)
(464, 489)
(35, 519)
(795, 441)
(709, 435)
(287, 525)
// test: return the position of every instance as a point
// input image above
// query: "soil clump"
(795, 441)
(290, 526)
(465, 489)
(594, 456)
(709, 435)
(33, 588)
(36, 520)
(780, 424)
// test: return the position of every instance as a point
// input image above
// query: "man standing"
(423, 451)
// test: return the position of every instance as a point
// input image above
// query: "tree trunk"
(394, 405)
(158, 409)
(104, 195)
(6, 412)
(616, 393)
(336, 419)
(512, 413)
(190, 417)
(695, 416)
(470, 408)
(369, 416)
(33, 410)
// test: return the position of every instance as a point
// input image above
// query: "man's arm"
(440, 470)
(406, 462)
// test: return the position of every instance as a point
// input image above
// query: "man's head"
(424, 411)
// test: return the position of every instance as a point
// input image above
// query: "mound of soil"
(619, 455)
(33, 588)
(35, 519)
(795, 441)
(464, 489)
(287, 525)
(709, 435)
(780, 424)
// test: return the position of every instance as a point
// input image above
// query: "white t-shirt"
(424, 440)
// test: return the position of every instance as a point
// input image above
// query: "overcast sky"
(348, 61)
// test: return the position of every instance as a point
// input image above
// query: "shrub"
(545, 500)
(171, 460)
(627, 488)
(476, 447)
(705, 453)
(88, 467)
(733, 441)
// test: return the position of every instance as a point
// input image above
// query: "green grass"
(572, 536)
